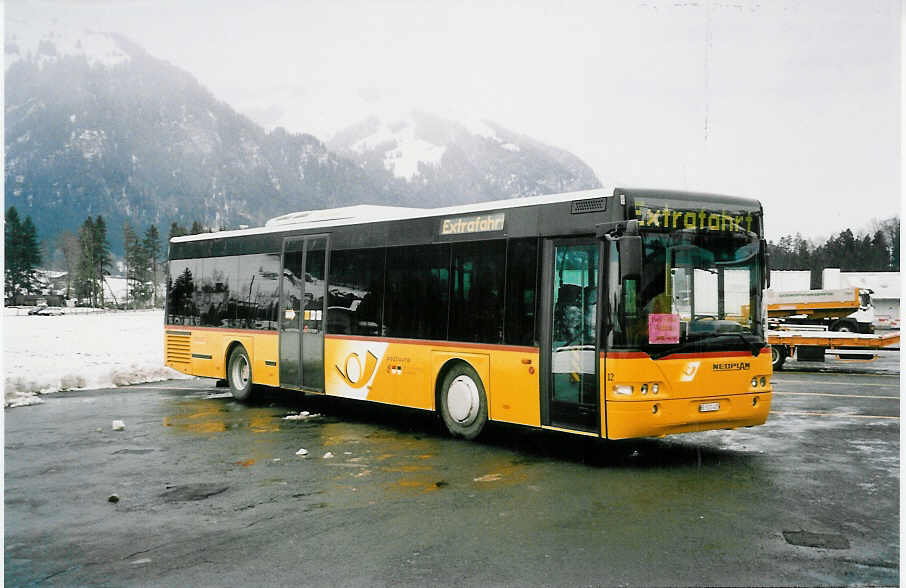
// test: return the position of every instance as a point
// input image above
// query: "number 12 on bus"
(632, 314)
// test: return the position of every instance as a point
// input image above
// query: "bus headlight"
(623, 390)
(764, 381)
(754, 382)
(644, 389)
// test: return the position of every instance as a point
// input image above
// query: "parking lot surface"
(212, 492)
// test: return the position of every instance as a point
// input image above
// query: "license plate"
(708, 406)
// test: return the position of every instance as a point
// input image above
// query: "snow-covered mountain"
(431, 157)
(95, 125)
(32, 42)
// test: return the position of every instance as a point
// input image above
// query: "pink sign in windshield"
(663, 328)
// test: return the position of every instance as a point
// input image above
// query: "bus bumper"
(655, 418)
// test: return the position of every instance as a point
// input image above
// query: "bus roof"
(369, 213)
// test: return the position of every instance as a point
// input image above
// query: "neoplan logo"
(730, 366)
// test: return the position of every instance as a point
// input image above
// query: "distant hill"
(95, 125)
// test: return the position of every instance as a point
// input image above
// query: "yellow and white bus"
(631, 314)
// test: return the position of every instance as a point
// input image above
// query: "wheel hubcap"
(241, 372)
(463, 400)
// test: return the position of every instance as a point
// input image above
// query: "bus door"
(303, 312)
(569, 386)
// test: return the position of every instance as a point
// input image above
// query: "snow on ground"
(44, 354)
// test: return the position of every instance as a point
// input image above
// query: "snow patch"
(90, 142)
(42, 43)
(408, 150)
(478, 127)
(42, 355)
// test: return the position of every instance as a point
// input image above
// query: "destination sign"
(702, 219)
(472, 224)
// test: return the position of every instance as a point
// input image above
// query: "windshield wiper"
(755, 346)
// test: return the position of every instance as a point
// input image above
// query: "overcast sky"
(796, 103)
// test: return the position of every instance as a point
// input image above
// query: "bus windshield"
(698, 291)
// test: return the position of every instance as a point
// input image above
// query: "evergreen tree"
(177, 230)
(31, 256)
(869, 251)
(196, 228)
(878, 252)
(12, 255)
(102, 260)
(22, 254)
(86, 280)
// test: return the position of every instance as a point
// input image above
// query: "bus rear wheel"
(239, 373)
(463, 403)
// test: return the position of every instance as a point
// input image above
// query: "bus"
(616, 315)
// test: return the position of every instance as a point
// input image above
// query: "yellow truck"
(843, 310)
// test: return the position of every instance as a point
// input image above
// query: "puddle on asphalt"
(368, 454)
(204, 417)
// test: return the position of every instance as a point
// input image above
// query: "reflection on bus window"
(356, 291)
(709, 281)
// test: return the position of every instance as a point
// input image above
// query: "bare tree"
(72, 251)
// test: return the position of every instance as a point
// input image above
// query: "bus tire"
(778, 356)
(463, 402)
(239, 373)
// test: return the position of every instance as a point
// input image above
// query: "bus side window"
(617, 336)
(256, 298)
(355, 292)
(417, 274)
(476, 306)
(521, 285)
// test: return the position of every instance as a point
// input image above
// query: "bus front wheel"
(463, 403)
(239, 373)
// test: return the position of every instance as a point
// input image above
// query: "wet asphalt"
(210, 492)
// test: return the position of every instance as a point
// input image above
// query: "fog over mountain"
(96, 125)
(433, 159)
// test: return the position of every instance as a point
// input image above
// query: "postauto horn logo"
(354, 373)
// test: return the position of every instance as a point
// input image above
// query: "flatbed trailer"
(842, 309)
(785, 343)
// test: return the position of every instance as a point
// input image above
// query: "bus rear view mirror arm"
(618, 229)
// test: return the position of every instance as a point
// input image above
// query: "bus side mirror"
(630, 257)
(766, 263)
